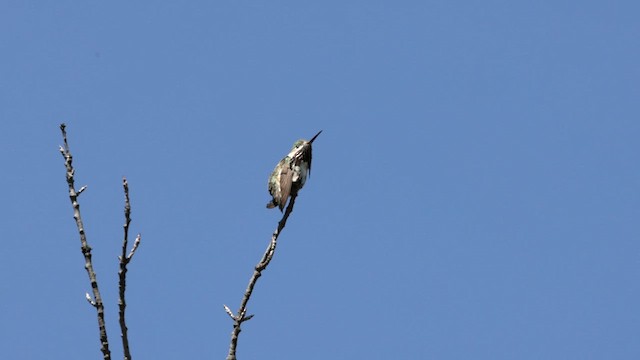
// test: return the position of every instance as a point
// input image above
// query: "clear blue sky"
(474, 193)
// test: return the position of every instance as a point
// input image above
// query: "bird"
(290, 174)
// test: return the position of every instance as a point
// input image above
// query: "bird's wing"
(286, 178)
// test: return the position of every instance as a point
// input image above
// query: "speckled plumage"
(290, 175)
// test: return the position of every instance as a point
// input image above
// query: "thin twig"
(86, 249)
(241, 316)
(122, 273)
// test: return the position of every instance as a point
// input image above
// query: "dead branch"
(241, 316)
(96, 301)
(122, 273)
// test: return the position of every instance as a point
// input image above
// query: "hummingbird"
(290, 174)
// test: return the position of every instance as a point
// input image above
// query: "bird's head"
(298, 145)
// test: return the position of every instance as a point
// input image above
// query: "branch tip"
(229, 312)
(90, 300)
(136, 243)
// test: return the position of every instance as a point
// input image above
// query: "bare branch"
(240, 317)
(86, 249)
(122, 273)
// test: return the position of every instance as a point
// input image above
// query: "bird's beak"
(313, 138)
